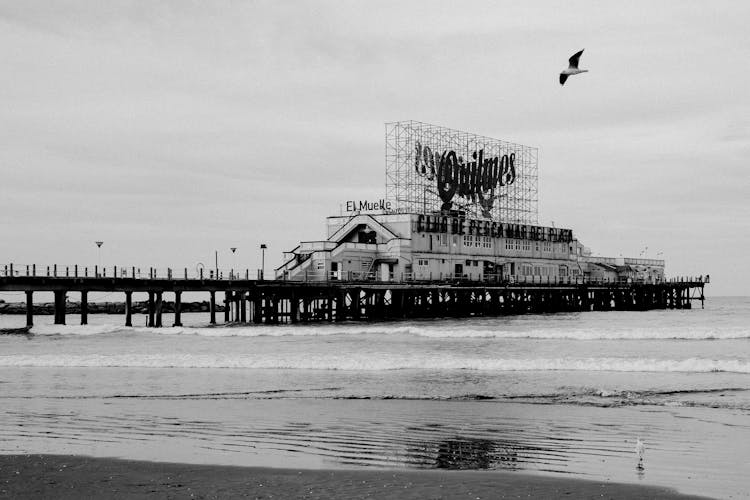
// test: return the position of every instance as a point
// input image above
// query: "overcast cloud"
(173, 129)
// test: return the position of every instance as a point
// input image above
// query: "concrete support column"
(257, 302)
(60, 307)
(29, 308)
(236, 300)
(272, 309)
(268, 308)
(151, 309)
(293, 308)
(356, 309)
(227, 305)
(159, 306)
(177, 308)
(243, 307)
(212, 307)
(84, 307)
(305, 309)
(341, 306)
(379, 304)
(128, 308)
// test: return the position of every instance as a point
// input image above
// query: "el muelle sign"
(368, 206)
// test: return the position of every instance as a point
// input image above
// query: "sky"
(175, 130)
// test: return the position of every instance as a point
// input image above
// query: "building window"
(518, 244)
(443, 238)
(526, 245)
(509, 244)
(563, 270)
(423, 262)
(468, 240)
(527, 270)
(320, 265)
(487, 242)
(536, 246)
(547, 246)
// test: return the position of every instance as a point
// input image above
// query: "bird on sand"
(640, 450)
(572, 67)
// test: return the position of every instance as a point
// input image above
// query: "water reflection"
(460, 454)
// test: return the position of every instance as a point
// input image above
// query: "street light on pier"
(99, 253)
(234, 260)
(262, 260)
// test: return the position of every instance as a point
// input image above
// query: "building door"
(459, 270)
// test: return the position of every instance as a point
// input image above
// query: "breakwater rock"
(105, 307)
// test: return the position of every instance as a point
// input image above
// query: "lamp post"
(234, 260)
(99, 255)
(262, 260)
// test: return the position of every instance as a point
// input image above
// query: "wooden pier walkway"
(275, 301)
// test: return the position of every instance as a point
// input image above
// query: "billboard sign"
(431, 168)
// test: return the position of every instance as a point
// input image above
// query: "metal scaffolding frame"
(414, 191)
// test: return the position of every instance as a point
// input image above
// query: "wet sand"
(76, 477)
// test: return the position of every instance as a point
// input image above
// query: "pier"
(258, 301)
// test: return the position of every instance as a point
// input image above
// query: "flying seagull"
(572, 68)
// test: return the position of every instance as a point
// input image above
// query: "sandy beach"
(54, 476)
(533, 401)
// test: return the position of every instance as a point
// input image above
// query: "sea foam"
(441, 330)
(305, 361)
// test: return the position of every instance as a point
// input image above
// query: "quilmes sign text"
(367, 205)
(475, 179)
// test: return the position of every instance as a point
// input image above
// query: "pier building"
(458, 207)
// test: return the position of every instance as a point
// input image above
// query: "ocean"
(550, 394)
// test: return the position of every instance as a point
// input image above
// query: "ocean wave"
(624, 394)
(441, 330)
(370, 363)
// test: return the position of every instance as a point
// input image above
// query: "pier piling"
(59, 307)
(151, 309)
(177, 308)
(84, 307)
(29, 308)
(128, 308)
(159, 307)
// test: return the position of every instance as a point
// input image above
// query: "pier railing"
(339, 296)
(157, 273)
(76, 271)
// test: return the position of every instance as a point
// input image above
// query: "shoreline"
(73, 476)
